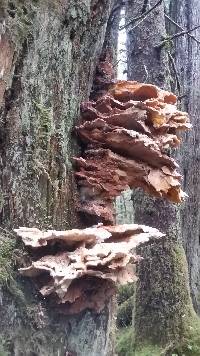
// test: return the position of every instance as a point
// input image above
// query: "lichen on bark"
(48, 71)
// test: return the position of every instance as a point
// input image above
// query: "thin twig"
(146, 74)
(176, 35)
(137, 24)
(143, 16)
(119, 61)
(175, 72)
(181, 28)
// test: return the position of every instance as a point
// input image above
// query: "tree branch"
(181, 28)
(176, 35)
(175, 72)
(140, 17)
(185, 32)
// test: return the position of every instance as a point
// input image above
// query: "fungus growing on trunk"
(87, 265)
(127, 134)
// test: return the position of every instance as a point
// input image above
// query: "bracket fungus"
(87, 265)
(127, 134)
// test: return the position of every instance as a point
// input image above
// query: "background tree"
(163, 308)
(186, 53)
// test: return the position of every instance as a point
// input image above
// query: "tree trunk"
(162, 293)
(49, 51)
(187, 59)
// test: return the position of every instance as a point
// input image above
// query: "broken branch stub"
(127, 135)
(86, 276)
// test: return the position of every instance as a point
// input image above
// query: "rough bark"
(187, 60)
(48, 56)
(111, 38)
(145, 61)
(162, 296)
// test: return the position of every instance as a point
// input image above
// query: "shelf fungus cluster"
(79, 269)
(127, 136)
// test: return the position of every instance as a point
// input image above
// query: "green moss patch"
(7, 246)
(125, 292)
(125, 301)
(125, 345)
(189, 345)
(124, 342)
(185, 338)
(125, 312)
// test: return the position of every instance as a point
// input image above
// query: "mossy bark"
(187, 60)
(163, 306)
(49, 51)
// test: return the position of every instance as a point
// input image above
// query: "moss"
(124, 342)
(125, 292)
(148, 350)
(45, 126)
(125, 345)
(190, 342)
(6, 261)
(125, 301)
(188, 345)
(57, 71)
(125, 312)
(162, 304)
(176, 318)
(8, 273)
